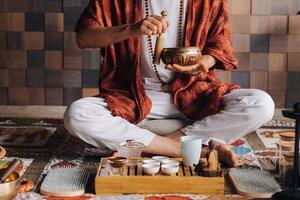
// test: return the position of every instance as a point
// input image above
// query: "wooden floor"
(56, 112)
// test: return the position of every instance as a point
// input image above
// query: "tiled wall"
(266, 39)
(40, 63)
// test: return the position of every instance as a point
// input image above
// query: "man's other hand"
(206, 62)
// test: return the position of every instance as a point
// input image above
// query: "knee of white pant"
(77, 114)
(265, 106)
(69, 115)
(81, 119)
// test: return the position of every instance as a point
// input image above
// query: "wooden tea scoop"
(159, 45)
(10, 169)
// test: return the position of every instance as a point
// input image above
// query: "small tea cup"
(151, 161)
(151, 169)
(160, 158)
(169, 169)
(170, 162)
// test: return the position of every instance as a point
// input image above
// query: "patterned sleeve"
(218, 43)
(91, 16)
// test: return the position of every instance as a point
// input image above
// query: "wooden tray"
(186, 181)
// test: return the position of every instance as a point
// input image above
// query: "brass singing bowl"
(183, 56)
(9, 189)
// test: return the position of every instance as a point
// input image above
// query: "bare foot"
(226, 156)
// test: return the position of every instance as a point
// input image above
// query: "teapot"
(130, 149)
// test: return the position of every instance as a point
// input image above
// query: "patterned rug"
(63, 150)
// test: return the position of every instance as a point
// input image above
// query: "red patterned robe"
(120, 81)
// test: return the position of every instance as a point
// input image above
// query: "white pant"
(244, 110)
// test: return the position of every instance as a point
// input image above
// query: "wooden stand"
(186, 181)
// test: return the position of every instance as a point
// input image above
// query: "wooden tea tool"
(10, 169)
(159, 45)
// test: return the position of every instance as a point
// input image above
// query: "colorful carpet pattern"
(62, 150)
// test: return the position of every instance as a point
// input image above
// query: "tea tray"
(186, 181)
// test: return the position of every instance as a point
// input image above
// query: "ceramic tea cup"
(151, 169)
(169, 169)
(170, 162)
(160, 158)
(190, 149)
(151, 161)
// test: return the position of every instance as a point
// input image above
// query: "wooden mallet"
(159, 43)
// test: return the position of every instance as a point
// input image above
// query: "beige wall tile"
(243, 61)
(54, 22)
(259, 80)
(240, 24)
(3, 21)
(294, 43)
(16, 59)
(239, 7)
(261, 7)
(259, 61)
(277, 61)
(260, 24)
(278, 97)
(36, 96)
(18, 96)
(279, 43)
(53, 59)
(277, 81)
(4, 81)
(224, 76)
(294, 62)
(278, 24)
(72, 60)
(16, 21)
(241, 42)
(294, 24)
(34, 40)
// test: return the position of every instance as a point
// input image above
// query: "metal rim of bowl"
(117, 159)
(182, 49)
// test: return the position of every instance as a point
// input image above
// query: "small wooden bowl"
(289, 156)
(287, 136)
(286, 145)
(117, 162)
(184, 56)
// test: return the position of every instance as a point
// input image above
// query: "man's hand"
(151, 25)
(206, 62)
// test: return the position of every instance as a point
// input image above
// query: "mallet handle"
(159, 45)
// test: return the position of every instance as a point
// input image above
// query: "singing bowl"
(183, 56)
(9, 190)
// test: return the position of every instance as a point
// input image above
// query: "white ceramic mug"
(190, 149)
